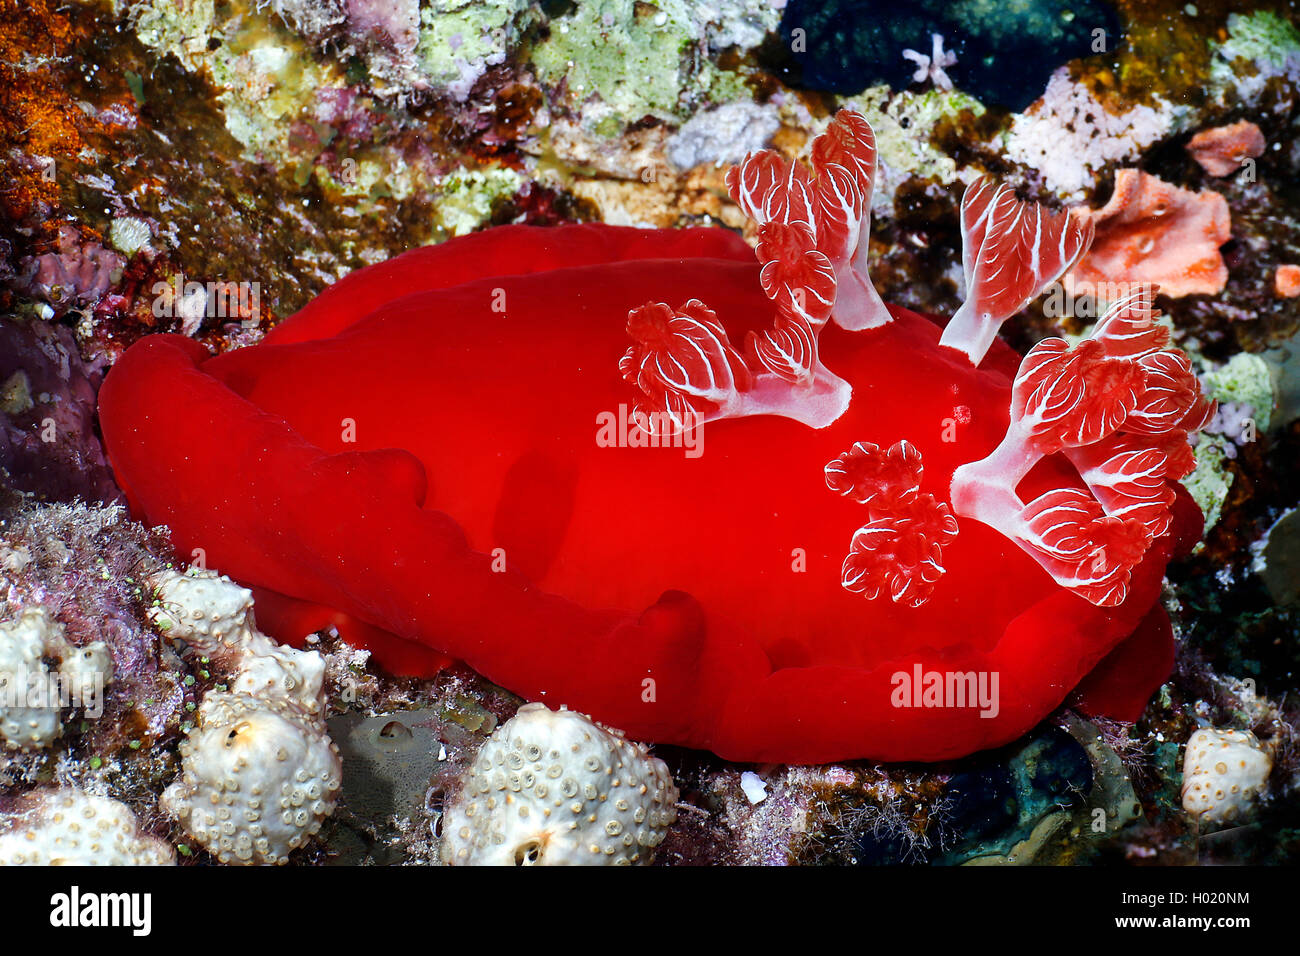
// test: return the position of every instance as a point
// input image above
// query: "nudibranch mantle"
(881, 502)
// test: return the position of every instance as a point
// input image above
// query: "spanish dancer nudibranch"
(715, 496)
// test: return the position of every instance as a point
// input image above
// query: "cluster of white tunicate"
(214, 617)
(1224, 772)
(259, 772)
(553, 788)
(67, 827)
(31, 695)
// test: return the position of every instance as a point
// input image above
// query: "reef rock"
(78, 273)
(48, 441)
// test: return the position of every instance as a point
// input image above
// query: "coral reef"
(631, 67)
(66, 827)
(459, 41)
(283, 144)
(552, 788)
(259, 772)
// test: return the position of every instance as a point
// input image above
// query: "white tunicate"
(554, 788)
(31, 695)
(1224, 772)
(66, 827)
(259, 771)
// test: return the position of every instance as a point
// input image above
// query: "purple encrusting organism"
(48, 441)
(86, 565)
(78, 274)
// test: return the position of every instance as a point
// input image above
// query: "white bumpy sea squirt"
(259, 772)
(66, 827)
(553, 788)
(1224, 774)
(30, 693)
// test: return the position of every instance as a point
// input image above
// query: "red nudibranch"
(717, 502)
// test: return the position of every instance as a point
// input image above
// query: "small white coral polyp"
(1224, 773)
(69, 828)
(259, 772)
(553, 788)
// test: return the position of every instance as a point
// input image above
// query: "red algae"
(1222, 150)
(1154, 232)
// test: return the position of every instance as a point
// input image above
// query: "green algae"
(1262, 37)
(1210, 483)
(720, 85)
(1259, 45)
(459, 38)
(904, 123)
(1245, 379)
(268, 79)
(466, 197)
(179, 29)
(636, 66)
(266, 76)
(367, 175)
